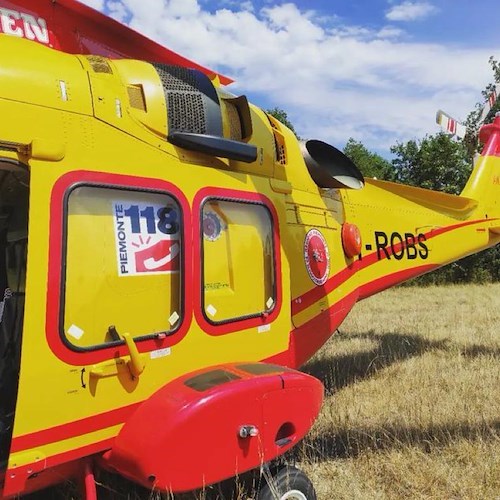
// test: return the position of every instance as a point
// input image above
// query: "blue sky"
(453, 21)
(374, 70)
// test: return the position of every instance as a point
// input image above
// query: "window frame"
(56, 289)
(253, 320)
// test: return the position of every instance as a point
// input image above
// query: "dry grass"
(412, 407)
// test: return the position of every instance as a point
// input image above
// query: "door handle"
(135, 364)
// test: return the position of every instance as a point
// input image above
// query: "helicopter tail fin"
(484, 182)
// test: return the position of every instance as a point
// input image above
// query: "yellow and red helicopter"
(171, 254)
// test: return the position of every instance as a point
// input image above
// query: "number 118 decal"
(147, 238)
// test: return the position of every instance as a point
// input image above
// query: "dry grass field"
(412, 406)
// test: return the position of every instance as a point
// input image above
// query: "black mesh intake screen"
(188, 112)
(176, 78)
(192, 102)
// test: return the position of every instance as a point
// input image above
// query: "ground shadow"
(338, 371)
(474, 351)
(351, 443)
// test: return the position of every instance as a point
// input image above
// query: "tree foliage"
(282, 116)
(436, 162)
(370, 164)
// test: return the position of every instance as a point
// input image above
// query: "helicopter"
(171, 255)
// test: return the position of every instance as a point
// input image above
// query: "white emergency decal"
(211, 310)
(64, 90)
(174, 317)
(160, 353)
(147, 238)
(75, 332)
(264, 328)
(118, 108)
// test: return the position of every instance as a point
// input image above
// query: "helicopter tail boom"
(408, 231)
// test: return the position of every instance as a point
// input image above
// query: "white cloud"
(358, 32)
(410, 11)
(117, 10)
(390, 32)
(95, 4)
(334, 82)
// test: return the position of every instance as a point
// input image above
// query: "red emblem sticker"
(317, 257)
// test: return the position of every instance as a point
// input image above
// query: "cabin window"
(238, 260)
(122, 265)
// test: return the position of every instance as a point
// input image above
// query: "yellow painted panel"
(44, 77)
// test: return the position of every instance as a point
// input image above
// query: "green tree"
(436, 162)
(370, 164)
(282, 116)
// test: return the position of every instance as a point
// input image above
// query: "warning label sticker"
(147, 238)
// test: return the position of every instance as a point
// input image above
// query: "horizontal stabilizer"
(436, 200)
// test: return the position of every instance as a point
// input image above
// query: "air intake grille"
(279, 142)
(175, 78)
(192, 101)
(234, 121)
(99, 64)
(186, 112)
(136, 97)
(281, 154)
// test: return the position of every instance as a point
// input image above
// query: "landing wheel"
(286, 483)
